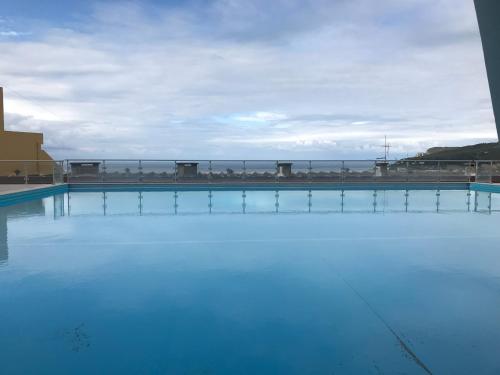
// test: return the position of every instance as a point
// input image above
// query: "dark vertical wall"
(4, 249)
(488, 15)
(2, 124)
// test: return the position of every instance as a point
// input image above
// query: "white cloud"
(12, 33)
(261, 117)
(185, 82)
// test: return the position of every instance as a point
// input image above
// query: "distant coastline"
(481, 151)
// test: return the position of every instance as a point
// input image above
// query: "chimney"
(2, 123)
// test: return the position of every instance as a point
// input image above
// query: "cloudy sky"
(244, 78)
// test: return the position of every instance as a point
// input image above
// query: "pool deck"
(17, 188)
(13, 194)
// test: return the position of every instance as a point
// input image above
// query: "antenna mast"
(386, 147)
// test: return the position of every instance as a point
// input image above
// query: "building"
(21, 146)
(488, 15)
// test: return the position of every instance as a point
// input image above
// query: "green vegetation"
(482, 151)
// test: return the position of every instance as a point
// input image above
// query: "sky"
(244, 79)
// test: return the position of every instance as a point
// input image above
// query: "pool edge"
(42, 192)
(485, 187)
(91, 187)
(9, 199)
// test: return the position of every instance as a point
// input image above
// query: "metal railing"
(280, 171)
(32, 171)
(247, 171)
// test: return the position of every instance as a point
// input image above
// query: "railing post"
(140, 171)
(276, 173)
(67, 171)
(439, 171)
(309, 171)
(244, 169)
(210, 171)
(342, 171)
(55, 169)
(103, 170)
(175, 171)
(491, 171)
(25, 173)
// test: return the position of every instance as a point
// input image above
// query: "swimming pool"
(251, 282)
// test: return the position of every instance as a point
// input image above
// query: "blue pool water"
(257, 282)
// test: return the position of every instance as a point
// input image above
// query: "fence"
(280, 171)
(32, 171)
(247, 171)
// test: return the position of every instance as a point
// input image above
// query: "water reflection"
(4, 250)
(22, 210)
(275, 201)
(247, 202)
(244, 202)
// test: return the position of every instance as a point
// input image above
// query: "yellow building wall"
(21, 146)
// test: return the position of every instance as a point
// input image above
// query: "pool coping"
(8, 199)
(485, 187)
(266, 186)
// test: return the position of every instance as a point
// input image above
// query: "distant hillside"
(482, 151)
